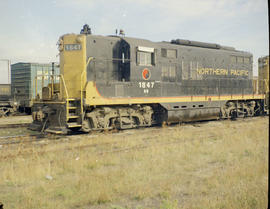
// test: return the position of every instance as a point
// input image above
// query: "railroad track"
(17, 139)
(28, 138)
(17, 125)
(105, 148)
(112, 146)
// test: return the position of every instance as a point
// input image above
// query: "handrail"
(266, 81)
(61, 78)
(84, 74)
(64, 84)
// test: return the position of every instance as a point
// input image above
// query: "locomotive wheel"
(106, 118)
(2, 114)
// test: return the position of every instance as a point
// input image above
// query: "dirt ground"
(215, 164)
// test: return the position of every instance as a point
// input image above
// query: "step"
(70, 99)
(56, 130)
(73, 116)
(53, 131)
(72, 108)
(73, 125)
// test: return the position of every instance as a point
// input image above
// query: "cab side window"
(145, 56)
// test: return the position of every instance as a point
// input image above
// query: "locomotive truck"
(108, 82)
(7, 104)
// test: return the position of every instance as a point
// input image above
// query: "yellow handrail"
(266, 81)
(64, 84)
(61, 78)
(82, 75)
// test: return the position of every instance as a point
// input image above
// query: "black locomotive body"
(190, 80)
(176, 70)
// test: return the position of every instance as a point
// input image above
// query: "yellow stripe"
(48, 102)
(94, 98)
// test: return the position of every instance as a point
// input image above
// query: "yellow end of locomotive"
(72, 64)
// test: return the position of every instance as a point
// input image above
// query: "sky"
(29, 29)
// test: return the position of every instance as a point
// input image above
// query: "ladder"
(73, 113)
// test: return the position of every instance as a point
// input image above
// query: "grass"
(220, 164)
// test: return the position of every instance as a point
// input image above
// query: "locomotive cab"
(85, 60)
(59, 106)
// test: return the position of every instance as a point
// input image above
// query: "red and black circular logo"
(146, 74)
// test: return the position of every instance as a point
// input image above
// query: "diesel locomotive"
(108, 82)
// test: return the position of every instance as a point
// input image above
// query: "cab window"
(145, 56)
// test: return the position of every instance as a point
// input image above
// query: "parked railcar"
(7, 105)
(263, 77)
(24, 84)
(263, 74)
(123, 82)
